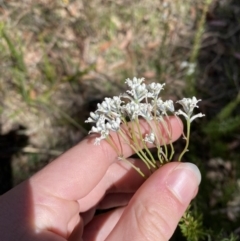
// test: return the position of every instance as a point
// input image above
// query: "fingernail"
(183, 181)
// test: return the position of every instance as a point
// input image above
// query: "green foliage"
(232, 237)
(224, 122)
(217, 128)
(16, 55)
(192, 227)
(196, 46)
(229, 108)
(19, 69)
(49, 70)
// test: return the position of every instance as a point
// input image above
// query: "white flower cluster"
(140, 101)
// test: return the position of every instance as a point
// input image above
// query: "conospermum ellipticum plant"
(123, 115)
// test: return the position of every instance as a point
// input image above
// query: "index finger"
(75, 173)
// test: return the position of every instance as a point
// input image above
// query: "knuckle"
(150, 223)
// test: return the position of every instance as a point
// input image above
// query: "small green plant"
(191, 227)
(123, 114)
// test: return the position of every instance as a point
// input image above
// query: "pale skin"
(58, 203)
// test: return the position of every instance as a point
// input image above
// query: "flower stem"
(187, 141)
(139, 153)
(134, 167)
(144, 143)
(137, 145)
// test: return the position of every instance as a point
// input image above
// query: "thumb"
(156, 208)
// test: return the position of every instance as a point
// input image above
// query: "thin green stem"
(187, 141)
(162, 122)
(134, 149)
(163, 154)
(144, 143)
(159, 151)
(168, 130)
(170, 143)
(139, 148)
(172, 151)
(134, 167)
(112, 144)
(155, 131)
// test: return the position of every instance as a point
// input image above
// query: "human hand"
(47, 206)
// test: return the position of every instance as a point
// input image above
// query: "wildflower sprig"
(123, 114)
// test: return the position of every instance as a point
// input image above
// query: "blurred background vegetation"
(59, 58)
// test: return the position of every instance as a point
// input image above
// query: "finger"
(156, 208)
(74, 174)
(100, 227)
(71, 177)
(113, 200)
(119, 178)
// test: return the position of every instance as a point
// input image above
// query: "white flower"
(139, 92)
(150, 138)
(116, 104)
(140, 101)
(94, 117)
(191, 67)
(165, 106)
(199, 115)
(114, 125)
(187, 117)
(105, 106)
(132, 109)
(134, 83)
(101, 129)
(145, 110)
(155, 89)
(168, 104)
(180, 112)
(184, 64)
(110, 108)
(97, 141)
(189, 104)
(159, 105)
